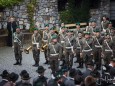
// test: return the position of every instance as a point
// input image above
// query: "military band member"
(78, 29)
(36, 43)
(62, 26)
(86, 51)
(104, 23)
(54, 53)
(77, 48)
(68, 49)
(45, 40)
(89, 28)
(62, 41)
(107, 49)
(18, 45)
(97, 48)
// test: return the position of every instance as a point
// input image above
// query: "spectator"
(41, 80)
(4, 76)
(90, 81)
(13, 77)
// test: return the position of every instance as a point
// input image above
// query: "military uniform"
(45, 41)
(77, 49)
(104, 24)
(36, 43)
(107, 50)
(97, 50)
(54, 53)
(87, 48)
(18, 44)
(68, 49)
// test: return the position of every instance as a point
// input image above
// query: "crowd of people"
(90, 45)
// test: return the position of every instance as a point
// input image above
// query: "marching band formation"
(92, 43)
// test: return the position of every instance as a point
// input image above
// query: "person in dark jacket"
(41, 80)
(11, 27)
(4, 76)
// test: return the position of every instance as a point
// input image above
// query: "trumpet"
(27, 50)
(44, 47)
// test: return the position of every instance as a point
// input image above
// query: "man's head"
(35, 30)
(87, 35)
(5, 74)
(47, 26)
(11, 19)
(41, 70)
(78, 25)
(90, 81)
(18, 29)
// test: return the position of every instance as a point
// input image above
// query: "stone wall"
(46, 12)
(104, 9)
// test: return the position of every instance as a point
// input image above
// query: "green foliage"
(31, 10)
(75, 14)
(9, 3)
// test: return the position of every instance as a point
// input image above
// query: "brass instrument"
(27, 50)
(44, 47)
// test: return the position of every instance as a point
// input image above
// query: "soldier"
(54, 53)
(36, 43)
(107, 49)
(86, 50)
(45, 40)
(68, 45)
(104, 23)
(77, 30)
(89, 28)
(97, 48)
(62, 41)
(18, 45)
(77, 48)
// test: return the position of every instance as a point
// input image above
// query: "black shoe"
(76, 61)
(16, 63)
(46, 62)
(80, 66)
(35, 65)
(20, 64)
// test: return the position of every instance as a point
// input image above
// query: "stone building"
(46, 12)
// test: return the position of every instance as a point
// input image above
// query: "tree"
(8, 3)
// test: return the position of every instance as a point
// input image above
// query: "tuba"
(27, 50)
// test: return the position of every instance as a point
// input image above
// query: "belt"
(86, 50)
(62, 41)
(108, 50)
(54, 54)
(68, 47)
(45, 40)
(97, 46)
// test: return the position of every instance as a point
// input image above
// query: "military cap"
(63, 27)
(18, 27)
(58, 75)
(40, 69)
(35, 28)
(78, 23)
(64, 69)
(94, 20)
(54, 36)
(52, 28)
(90, 21)
(46, 25)
(87, 33)
(96, 30)
(69, 31)
(13, 77)
(110, 22)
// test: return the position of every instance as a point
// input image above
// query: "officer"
(18, 45)
(86, 51)
(97, 48)
(45, 41)
(77, 49)
(107, 49)
(36, 43)
(68, 49)
(54, 53)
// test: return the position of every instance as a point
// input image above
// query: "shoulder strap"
(54, 49)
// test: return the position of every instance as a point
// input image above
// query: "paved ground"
(7, 60)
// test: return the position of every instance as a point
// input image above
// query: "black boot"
(17, 62)
(20, 62)
(46, 62)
